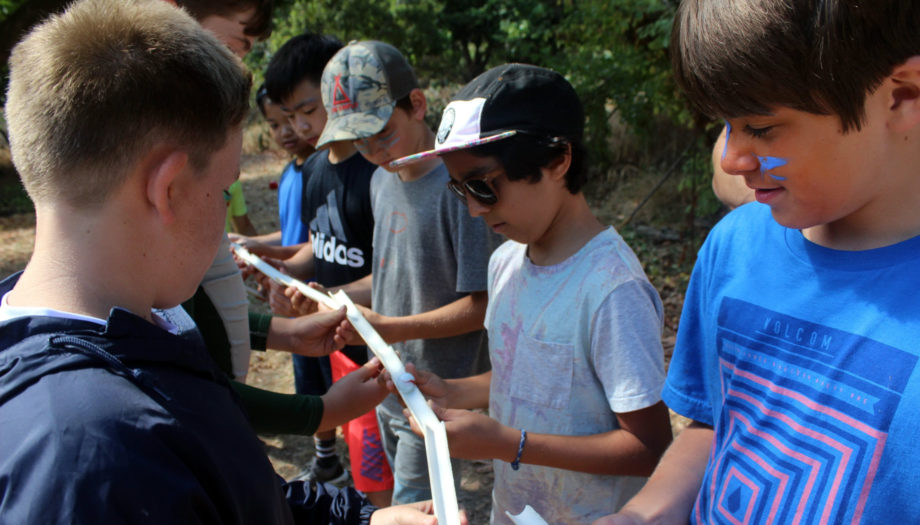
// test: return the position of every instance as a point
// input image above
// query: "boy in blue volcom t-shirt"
(797, 353)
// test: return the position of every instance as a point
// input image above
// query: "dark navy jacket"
(128, 423)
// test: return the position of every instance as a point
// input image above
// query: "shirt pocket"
(542, 372)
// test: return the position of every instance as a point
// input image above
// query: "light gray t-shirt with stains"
(571, 345)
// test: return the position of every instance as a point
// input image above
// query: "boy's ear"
(161, 172)
(559, 166)
(419, 104)
(904, 102)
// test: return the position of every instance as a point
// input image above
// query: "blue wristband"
(516, 464)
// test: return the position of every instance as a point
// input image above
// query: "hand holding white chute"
(439, 469)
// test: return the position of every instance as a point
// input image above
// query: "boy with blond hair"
(125, 142)
(575, 418)
(797, 353)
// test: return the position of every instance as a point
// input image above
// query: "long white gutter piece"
(440, 474)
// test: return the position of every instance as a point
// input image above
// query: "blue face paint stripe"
(383, 143)
(388, 141)
(728, 133)
(771, 163)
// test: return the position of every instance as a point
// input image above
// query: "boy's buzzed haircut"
(302, 57)
(259, 26)
(818, 56)
(92, 89)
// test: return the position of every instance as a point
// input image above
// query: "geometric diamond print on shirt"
(801, 433)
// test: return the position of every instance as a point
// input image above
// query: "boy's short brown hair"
(94, 88)
(742, 57)
(259, 26)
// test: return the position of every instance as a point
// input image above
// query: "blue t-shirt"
(805, 361)
(290, 192)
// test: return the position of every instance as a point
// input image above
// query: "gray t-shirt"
(429, 252)
(572, 345)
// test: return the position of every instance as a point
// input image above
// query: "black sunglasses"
(480, 188)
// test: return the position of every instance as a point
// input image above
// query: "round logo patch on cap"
(447, 122)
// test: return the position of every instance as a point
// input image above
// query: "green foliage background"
(615, 53)
(8, 6)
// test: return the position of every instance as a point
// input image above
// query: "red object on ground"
(273, 185)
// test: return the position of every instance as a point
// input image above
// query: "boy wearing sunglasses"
(574, 324)
(430, 257)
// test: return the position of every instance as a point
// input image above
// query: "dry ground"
(272, 370)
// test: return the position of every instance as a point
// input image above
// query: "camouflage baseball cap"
(360, 87)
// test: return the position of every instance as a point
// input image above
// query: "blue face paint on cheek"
(728, 134)
(771, 163)
(388, 141)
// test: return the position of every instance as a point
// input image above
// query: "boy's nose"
(477, 209)
(738, 160)
(301, 123)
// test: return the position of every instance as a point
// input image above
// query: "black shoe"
(334, 474)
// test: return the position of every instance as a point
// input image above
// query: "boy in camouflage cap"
(430, 256)
(376, 77)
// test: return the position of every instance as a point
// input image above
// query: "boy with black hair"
(109, 415)
(292, 233)
(796, 356)
(336, 209)
(430, 256)
(574, 325)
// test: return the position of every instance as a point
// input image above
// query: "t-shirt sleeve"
(237, 204)
(473, 243)
(259, 325)
(276, 413)
(685, 390)
(626, 346)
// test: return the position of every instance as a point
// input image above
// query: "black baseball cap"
(505, 101)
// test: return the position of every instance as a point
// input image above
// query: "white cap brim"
(459, 129)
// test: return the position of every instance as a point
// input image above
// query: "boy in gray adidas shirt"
(430, 257)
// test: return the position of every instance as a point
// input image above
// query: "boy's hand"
(430, 385)
(421, 513)
(376, 320)
(255, 247)
(472, 435)
(353, 395)
(245, 268)
(279, 302)
(321, 334)
(302, 304)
